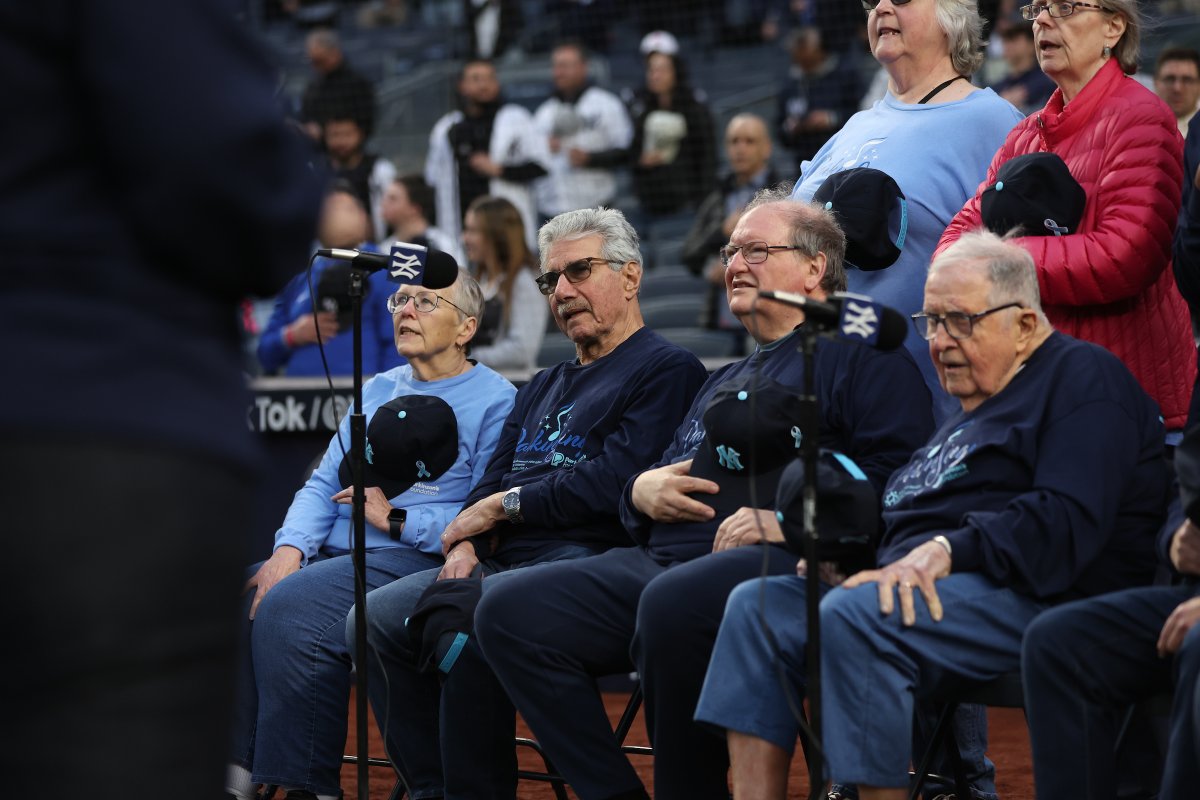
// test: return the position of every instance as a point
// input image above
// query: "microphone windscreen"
(893, 329)
(441, 270)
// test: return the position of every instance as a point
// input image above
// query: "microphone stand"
(358, 517)
(810, 445)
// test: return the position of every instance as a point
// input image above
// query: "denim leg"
(677, 621)
(869, 706)
(584, 611)
(742, 691)
(1082, 664)
(1182, 773)
(302, 667)
(405, 701)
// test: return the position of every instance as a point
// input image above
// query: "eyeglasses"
(1058, 10)
(576, 272)
(425, 302)
(869, 5)
(753, 252)
(959, 324)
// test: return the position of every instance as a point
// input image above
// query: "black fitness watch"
(396, 519)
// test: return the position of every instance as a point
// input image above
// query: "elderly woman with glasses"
(294, 677)
(1107, 281)
(933, 132)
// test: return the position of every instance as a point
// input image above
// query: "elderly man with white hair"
(1048, 484)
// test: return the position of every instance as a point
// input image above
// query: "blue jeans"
(868, 734)
(742, 692)
(1083, 662)
(448, 737)
(294, 670)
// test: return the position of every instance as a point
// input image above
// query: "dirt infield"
(1009, 750)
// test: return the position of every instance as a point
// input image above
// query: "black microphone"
(853, 317)
(361, 259)
(412, 264)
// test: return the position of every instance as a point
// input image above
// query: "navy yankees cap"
(1036, 194)
(872, 212)
(751, 428)
(847, 510)
(411, 438)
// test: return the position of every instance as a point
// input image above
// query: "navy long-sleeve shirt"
(1056, 486)
(576, 435)
(874, 407)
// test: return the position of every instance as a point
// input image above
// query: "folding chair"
(621, 731)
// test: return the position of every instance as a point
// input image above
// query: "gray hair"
(960, 21)
(1009, 268)
(468, 296)
(1126, 50)
(812, 228)
(620, 240)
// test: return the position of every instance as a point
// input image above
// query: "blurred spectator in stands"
(367, 174)
(382, 14)
(673, 151)
(487, 146)
(748, 148)
(840, 23)
(150, 185)
(514, 313)
(1025, 85)
(1177, 82)
(492, 27)
(336, 87)
(821, 92)
(289, 342)
(410, 213)
(588, 134)
(586, 21)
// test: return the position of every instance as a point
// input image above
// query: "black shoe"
(300, 794)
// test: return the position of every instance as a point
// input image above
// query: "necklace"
(939, 87)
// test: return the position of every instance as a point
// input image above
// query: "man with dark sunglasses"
(656, 606)
(550, 492)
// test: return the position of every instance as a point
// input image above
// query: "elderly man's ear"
(631, 276)
(816, 273)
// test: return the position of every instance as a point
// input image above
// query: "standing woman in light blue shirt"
(934, 132)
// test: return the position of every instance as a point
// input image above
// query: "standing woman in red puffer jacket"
(1109, 281)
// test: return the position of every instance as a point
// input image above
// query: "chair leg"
(944, 720)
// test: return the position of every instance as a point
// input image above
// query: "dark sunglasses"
(869, 5)
(576, 272)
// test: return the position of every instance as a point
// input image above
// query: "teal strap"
(460, 641)
(849, 465)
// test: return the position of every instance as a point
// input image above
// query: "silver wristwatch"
(512, 505)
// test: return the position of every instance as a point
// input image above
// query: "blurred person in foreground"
(433, 423)
(1108, 280)
(1014, 505)
(151, 187)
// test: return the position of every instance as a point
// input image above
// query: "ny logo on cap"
(729, 458)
